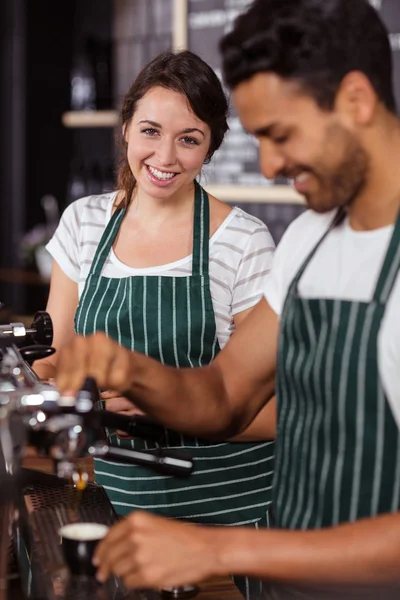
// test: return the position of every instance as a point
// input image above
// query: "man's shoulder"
(305, 231)
(310, 223)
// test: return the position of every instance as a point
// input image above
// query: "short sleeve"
(275, 289)
(64, 245)
(253, 270)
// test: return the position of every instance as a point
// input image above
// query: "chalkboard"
(236, 162)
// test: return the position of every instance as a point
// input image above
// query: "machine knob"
(32, 353)
(43, 326)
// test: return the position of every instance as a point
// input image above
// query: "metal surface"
(179, 593)
(65, 429)
(47, 503)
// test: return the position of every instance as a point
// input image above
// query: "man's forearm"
(157, 388)
(364, 552)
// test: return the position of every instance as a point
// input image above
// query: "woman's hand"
(114, 402)
(147, 551)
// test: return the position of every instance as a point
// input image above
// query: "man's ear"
(356, 98)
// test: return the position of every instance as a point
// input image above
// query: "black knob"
(32, 353)
(44, 328)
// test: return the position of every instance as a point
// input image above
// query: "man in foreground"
(312, 80)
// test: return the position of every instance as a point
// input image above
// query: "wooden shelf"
(22, 276)
(262, 194)
(90, 118)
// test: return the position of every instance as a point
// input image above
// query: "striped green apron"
(172, 320)
(338, 446)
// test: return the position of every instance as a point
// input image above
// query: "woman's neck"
(145, 207)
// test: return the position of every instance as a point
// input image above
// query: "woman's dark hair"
(316, 42)
(187, 74)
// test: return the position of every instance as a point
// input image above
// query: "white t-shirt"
(346, 266)
(240, 256)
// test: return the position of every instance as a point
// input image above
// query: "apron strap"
(106, 242)
(339, 216)
(201, 231)
(390, 267)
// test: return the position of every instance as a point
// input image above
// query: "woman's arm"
(263, 427)
(61, 305)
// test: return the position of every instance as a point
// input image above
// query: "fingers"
(106, 394)
(119, 404)
(95, 356)
(116, 552)
(135, 551)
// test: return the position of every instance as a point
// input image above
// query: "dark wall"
(49, 44)
(38, 41)
(12, 136)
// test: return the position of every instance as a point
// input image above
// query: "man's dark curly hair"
(316, 42)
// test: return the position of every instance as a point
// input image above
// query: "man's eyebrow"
(266, 131)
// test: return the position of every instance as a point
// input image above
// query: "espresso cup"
(78, 541)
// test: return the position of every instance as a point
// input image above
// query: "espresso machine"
(34, 505)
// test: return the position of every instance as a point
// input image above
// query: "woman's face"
(167, 143)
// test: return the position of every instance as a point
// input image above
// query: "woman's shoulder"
(90, 210)
(97, 204)
(244, 229)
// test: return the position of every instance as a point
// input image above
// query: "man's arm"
(219, 400)
(362, 553)
(367, 551)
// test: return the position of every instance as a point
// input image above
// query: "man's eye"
(281, 139)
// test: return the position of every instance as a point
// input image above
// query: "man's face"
(297, 139)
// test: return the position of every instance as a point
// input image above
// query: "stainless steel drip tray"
(47, 504)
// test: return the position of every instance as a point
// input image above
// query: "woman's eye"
(190, 141)
(149, 131)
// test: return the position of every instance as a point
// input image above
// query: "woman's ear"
(124, 132)
(208, 157)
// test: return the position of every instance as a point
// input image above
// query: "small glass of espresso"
(78, 541)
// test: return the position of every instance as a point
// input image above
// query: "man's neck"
(378, 203)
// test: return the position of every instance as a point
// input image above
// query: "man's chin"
(318, 204)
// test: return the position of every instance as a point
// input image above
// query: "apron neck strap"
(390, 268)
(339, 216)
(201, 231)
(107, 240)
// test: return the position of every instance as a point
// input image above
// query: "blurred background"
(64, 67)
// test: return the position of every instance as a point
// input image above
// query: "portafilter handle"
(161, 460)
(140, 426)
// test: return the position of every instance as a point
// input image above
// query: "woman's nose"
(166, 152)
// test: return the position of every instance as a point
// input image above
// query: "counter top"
(219, 589)
(215, 589)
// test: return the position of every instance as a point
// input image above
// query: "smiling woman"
(171, 272)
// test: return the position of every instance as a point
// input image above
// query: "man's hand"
(148, 551)
(96, 356)
(114, 402)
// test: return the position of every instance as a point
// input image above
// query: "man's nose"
(272, 162)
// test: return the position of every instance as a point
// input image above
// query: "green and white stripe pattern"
(338, 449)
(172, 320)
(338, 446)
